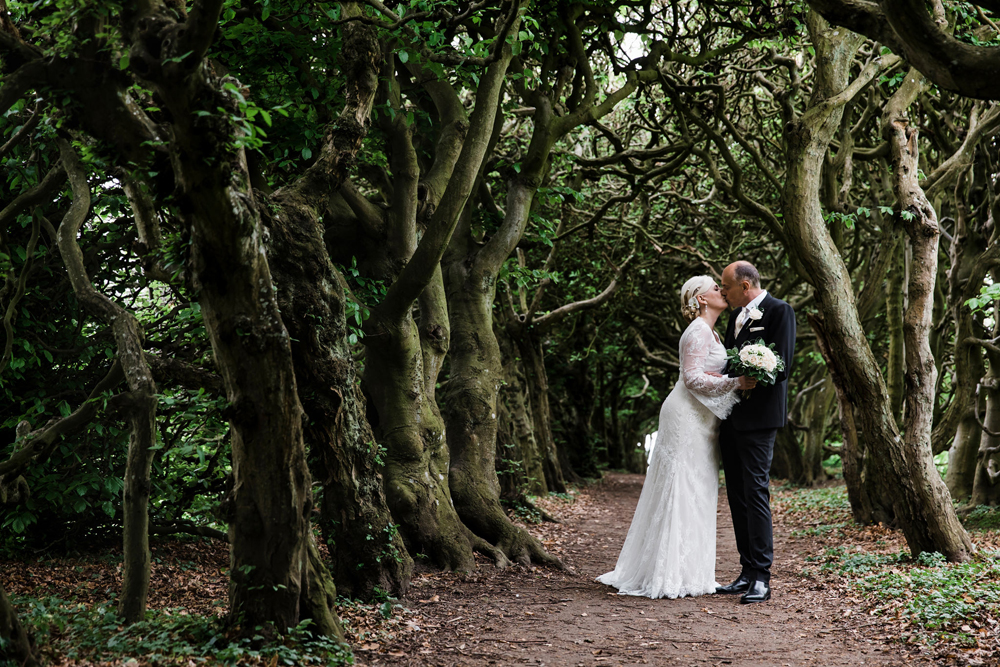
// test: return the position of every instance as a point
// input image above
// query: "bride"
(670, 547)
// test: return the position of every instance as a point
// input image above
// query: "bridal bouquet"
(755, 360)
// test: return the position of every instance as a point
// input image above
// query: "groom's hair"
(746, 271)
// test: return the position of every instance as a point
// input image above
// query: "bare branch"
(549, 319)
(22, 279)
(654, 359)
(25, 130)
(979, 420)
(38, 444)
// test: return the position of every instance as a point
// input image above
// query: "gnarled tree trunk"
(274, 581)
(366, 553)
(986, 483)
(16, 644)
(924, 505)
(141, 405)
(470, 409)
(919, 499)
(404, 356)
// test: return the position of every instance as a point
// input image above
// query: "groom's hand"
(746, 382)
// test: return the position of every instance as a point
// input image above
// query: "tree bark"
(894, 304)
(141, 406)
(404, 357)
(920, 501)
(273, 583)
(986, 484)
(365, 552)
(516, 422)
(17, 645)
(367, 556)
(817, 416)
(470, 411)
(924, 507)
(965, 277)
(537, 381)
(471, 415)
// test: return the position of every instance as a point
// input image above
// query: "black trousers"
(746, 460)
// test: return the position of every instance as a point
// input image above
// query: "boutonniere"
(755, 313)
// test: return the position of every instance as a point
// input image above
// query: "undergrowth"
(983, 517)
(930, 599)
(79, 632)
(823, 499)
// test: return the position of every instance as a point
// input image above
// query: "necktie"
(740, 320)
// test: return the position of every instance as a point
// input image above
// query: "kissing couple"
(670, 547)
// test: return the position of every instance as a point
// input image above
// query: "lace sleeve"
(718, 394)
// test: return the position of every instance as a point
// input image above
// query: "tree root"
(482, 546)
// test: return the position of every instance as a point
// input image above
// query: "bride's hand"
(745, 382)
(714, 374)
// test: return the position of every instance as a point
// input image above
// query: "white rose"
(754, 313)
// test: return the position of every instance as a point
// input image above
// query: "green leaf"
(177, 59)
(123, 62)
(404, 57)
(307, 153)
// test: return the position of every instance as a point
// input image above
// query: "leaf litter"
(823, 611)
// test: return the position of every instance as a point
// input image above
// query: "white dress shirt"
(742, 317)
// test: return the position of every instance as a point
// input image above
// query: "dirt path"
(545, 617)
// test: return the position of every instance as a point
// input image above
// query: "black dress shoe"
(741, 585)
(759, 591)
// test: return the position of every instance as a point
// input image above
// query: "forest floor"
(843, 595)
(540, 616)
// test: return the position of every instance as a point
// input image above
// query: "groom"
(746, 437)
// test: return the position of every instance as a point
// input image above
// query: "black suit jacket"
(767, 405)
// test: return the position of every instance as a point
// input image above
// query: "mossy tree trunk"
(969, 262)
(140, 407)
(894, 305)
(471, 268)
(16, 644)
(470, 409)
(518, 435)
(275, 583)
(404, 353)
(986, 483)
(366, 553)
(924, 507)
(537, 381)
(920, 501)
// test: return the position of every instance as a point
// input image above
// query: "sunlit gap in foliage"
(648, 443)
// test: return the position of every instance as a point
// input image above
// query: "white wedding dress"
(670, 547)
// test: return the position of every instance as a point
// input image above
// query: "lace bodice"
(702, 353)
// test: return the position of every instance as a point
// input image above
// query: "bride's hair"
(689, 293)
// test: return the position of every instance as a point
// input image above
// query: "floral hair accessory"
(693, 302)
